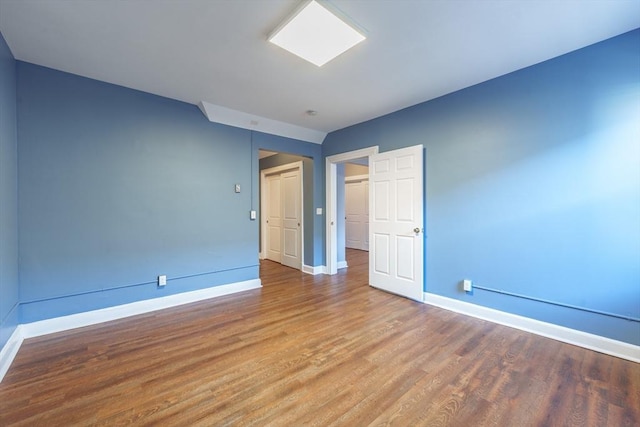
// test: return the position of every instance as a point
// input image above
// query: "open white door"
(396, 222)
(356, 210)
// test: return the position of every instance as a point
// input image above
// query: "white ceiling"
(215, 51)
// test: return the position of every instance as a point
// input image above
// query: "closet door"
(291, 219)
(274, 218)
(354, 215)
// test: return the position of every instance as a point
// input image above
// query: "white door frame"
(263, 201)
(331, 188)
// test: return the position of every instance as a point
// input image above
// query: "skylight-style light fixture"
(315, 34)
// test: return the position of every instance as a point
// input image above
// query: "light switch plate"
(237, 188)
(318, 211)
(252, 214)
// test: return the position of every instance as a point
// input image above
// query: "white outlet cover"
(162, 280)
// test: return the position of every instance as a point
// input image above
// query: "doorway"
(352, 207)
(332, 218)
(281, 218)
(396, 232)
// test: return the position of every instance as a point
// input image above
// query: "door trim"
(331, 186)
(263, 201)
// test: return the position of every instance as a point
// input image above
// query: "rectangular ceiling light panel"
(316, 34)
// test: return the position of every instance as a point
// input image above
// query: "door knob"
(416, 230)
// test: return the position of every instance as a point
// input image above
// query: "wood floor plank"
(313, 350)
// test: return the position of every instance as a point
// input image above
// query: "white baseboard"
(64, 323)
(314, 270)
(342, 264)
(597, 343)
(9, 351)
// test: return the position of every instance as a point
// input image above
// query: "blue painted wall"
(118, 186)
(533, 186)
(9, 290)
(308, 191)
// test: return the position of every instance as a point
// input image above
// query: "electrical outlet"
(467, 286)
(252, 215)
(162, 280)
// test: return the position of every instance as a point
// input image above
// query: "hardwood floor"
(313, 350)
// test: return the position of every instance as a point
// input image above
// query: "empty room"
(320, 212)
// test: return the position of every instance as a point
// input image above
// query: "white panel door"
(274, 219)
(396, 222)
(291, 212)
(357, 215)
(354, 210)
(365, 216)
